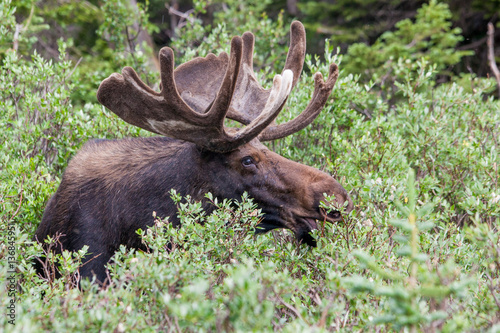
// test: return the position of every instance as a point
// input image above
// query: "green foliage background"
(420, 252)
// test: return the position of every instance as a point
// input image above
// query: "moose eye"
(247, 161)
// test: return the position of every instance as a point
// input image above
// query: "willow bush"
(420, 251)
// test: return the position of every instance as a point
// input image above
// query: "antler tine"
(250, 97)
(297, 51)
(220, 106)
(322, 91)
(171, 96)
(248, 44)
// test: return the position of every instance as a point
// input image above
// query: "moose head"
(112, 187)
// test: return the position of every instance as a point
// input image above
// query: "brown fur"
(111, 188)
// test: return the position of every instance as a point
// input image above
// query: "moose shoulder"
(112, 187)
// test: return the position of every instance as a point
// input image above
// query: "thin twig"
(364, 112)
(324, 314)
(291, 308)
(20, 201)
(186, 15)
(492, 290)
(491, 54)
(73, 70)
(176, 321)
(345, 317)
(19, 28)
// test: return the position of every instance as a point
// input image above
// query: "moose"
(111, 188)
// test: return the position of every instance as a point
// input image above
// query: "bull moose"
(112, 187)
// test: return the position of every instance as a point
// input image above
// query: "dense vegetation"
(419, 156)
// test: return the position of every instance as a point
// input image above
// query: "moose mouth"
(302, 226)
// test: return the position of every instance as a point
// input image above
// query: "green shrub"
(418, 253)
(396, 54)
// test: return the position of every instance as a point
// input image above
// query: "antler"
(319, 98)
(190, 107)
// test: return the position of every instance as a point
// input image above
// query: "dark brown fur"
(111, 188)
